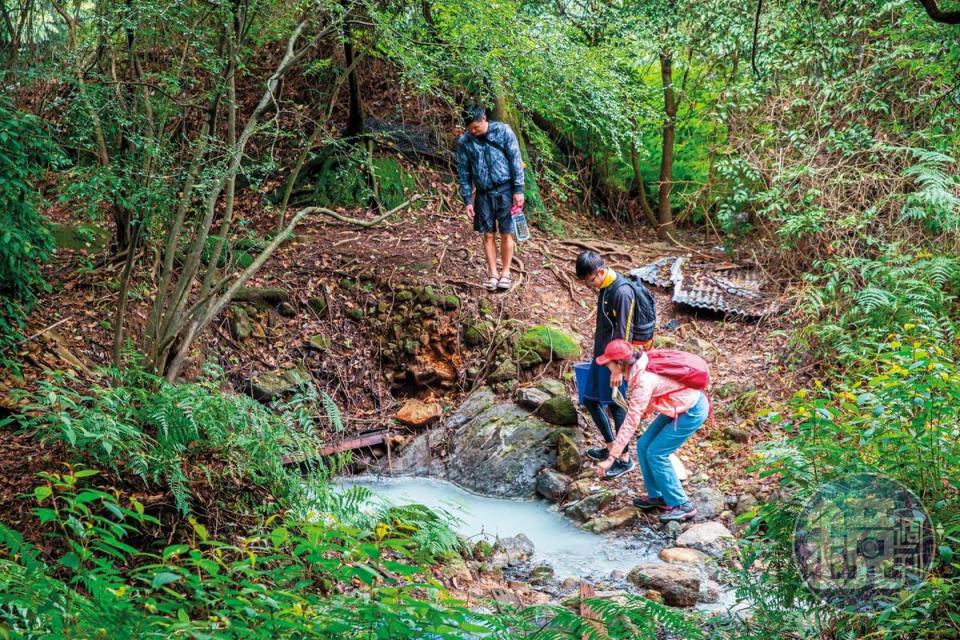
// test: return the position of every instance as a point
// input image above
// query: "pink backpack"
(688, 369)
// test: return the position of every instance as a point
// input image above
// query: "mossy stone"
(451, 303)
(318, 304)
(347, 284)
(355, 313)
(549, 343)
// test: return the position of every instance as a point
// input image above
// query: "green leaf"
(42, 492)
(164, 578)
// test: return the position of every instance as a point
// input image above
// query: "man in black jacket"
(490, 174)
(620, 315)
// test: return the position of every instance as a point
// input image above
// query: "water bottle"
(520, 229)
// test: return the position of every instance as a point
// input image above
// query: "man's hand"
(518, 200)
(604, 466)
(469, 209)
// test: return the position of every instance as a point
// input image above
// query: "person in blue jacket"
(490, 173)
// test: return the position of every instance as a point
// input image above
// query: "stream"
(569, 550)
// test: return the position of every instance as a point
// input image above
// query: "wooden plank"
(357, 442)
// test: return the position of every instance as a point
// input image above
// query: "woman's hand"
(603, 467)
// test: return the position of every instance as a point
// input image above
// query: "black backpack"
(644, 310)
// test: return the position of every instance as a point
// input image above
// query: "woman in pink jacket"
(681, 411)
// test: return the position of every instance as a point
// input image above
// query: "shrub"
(895, 413)
(25, 240)
(178, 434)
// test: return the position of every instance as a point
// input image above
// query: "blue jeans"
(599, 414)
(663, 437)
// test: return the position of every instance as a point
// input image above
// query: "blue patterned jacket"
(489, 161)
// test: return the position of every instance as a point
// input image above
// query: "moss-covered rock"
(318, 304)
(558, 410)
(569, 460)
(450, 303)
(548, 342)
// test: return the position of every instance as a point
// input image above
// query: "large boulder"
(498, 448)
(712, 538)
(679, 585)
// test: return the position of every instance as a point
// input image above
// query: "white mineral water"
(569, 550)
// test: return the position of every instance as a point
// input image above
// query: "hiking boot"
(645, 503)
(598, 453)
(619, 468)
(680, 512)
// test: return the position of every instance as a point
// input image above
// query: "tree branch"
(944, 17)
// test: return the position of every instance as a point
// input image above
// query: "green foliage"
(861, 298)
(343, 178)
(289, 578)
(176, 434)
(896, 413)
(25, 239)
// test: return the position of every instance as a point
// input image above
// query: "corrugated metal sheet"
(739, 292)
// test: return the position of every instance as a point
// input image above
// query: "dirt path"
(357, 267)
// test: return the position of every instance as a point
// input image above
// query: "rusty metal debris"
(736, 291)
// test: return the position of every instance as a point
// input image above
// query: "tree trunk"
(664, 211)
(641, 189)
(505, 111)
(355, 119)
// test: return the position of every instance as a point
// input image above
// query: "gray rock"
(708, 501)
(614, 520)
(709, 592)
(569, 460)
(710, 537)
(273, 384)
(679, 585)
(552, 485)
(747, 502)
(542, 575)
(531, 398)
(414, 460)
(511, 551)
(240, 325)
(737, 434)
(498, 448)
(671, 529)
(553, 387)
(586, 508)
(506, 371)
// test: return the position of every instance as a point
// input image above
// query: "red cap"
(616, 350)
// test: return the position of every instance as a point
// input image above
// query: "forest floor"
(430, 245)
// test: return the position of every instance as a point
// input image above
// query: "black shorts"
(491, 211)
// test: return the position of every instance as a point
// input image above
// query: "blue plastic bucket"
(581, 373)
(599, 390)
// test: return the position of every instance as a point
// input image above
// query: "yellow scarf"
(609, 278)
